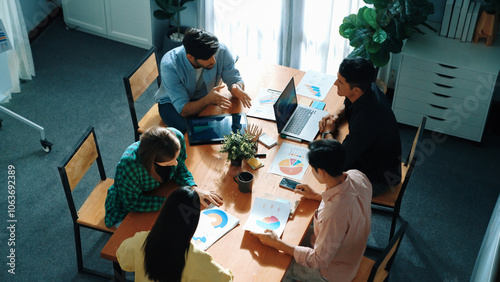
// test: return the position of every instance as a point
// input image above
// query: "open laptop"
(296, 120)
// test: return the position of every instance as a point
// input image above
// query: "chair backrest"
(76, 165)
(416, 141)
(380, 269)
(143, 75)
(409, 165)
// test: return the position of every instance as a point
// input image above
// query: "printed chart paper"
(290, 161)
(213, 224)
(268, 214)
(262, 106)
(315, 85)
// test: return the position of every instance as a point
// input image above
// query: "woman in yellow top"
(166, 253)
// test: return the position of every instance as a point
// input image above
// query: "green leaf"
(379, 36)
(384, 18)
(379, 4)
(163, 4)
(161, 15)
(361, 16)
(359, 52)
(351, 21)
(381, 58)
(370, 16)
(357, 37)
(347, 26)
(371, 46)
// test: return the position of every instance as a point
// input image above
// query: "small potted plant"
(238, 146)
(170, 10)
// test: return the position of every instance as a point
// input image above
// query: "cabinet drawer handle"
(445, 76)
(442, 85)
(440, 119)
(440, 95)
(438, 107)
(447, 66)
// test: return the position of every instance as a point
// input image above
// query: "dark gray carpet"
(78, 83)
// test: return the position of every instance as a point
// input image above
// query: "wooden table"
(239, 251)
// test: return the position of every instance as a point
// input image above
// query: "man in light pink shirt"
(341, 223)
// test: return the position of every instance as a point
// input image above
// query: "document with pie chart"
(213, 224)
(268, 214)
(290, 161)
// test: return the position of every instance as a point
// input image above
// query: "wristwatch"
(323, 135)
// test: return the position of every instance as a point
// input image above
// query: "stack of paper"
(262, 105)
(214, 223)
(293, 203)
(268, 214)
(315, 85)
(290, 161)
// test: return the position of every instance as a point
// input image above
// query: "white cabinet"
(449, 81)
(127, 21)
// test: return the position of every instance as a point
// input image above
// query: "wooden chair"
(91, 213)
(370, 270)
(390, 201)
(143, 75)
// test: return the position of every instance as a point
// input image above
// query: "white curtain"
(302, 34)
(20, 58)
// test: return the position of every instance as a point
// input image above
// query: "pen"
(260, 155)
(291, 138)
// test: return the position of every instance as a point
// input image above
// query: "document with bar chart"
(290, 161)
(315, 85)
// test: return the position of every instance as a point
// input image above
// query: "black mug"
(244, 180)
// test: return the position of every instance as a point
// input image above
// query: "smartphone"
(288, 183)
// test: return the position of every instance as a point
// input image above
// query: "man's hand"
(327, 123)
(238, 92)
(207, 197)
(268, 238)
(306, 191)
(216, 98)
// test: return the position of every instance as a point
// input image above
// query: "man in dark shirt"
(373, 143)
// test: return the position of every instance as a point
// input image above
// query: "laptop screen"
(285, 105)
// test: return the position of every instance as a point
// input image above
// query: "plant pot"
(236, 162)
(169, 44)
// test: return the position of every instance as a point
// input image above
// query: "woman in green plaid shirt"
(158, 157)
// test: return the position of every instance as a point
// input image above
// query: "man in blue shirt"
(191, 76)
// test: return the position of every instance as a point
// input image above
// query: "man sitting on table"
(341, 222)
(373, 143)
(191, 76)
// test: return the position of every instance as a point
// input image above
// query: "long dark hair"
(167, 245)
(158, 144)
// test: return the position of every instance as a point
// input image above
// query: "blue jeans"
(171, 117)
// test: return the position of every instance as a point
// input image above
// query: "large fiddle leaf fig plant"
(377, 31)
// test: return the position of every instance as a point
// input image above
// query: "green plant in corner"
(170, 10)
(238, 146)
(376, 32)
